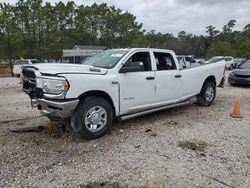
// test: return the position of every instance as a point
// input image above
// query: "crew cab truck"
(118, 84)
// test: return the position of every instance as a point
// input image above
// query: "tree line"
(224, 42)
(33, 29)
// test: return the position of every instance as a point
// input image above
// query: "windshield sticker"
(116, 55)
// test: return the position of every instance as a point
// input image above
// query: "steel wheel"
(209, 94)
(95, 118)
(92, 118)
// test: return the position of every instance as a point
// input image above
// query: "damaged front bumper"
(54, 106)
(60, 109)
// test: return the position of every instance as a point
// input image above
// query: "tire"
(207, 95)
(92, 118)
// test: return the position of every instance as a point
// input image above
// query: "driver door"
(137, 89)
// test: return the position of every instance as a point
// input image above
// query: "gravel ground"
(189, 146)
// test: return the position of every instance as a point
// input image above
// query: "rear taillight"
(224, 70)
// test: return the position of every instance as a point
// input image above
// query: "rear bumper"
(60, 109)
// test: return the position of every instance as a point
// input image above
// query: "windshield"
(21, 62)
(245, 65)
(106, 59)
(215, 59)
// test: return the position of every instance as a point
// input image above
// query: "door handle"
(150, 78)
(177, 76)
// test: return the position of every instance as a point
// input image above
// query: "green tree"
(155, 40)
(246, 32)
(221, 49)
(212, 32)
(229, 26)
(64, 14)
(243, 48)
(10, 33)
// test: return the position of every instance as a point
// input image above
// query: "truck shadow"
(166, 117)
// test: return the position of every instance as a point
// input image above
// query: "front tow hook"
(34, 103)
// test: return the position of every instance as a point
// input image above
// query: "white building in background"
(80, 52)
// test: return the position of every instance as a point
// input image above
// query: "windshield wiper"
(100, 67)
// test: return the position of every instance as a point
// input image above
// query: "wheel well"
(211, 78)
(101, 94)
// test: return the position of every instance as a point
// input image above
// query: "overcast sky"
(173, 16)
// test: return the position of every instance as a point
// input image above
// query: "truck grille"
(29, 73)
(29, 83)
(29, 77)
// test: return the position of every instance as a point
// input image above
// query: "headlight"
(52, 86)
(232, 74)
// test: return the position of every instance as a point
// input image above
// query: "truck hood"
(60, 68)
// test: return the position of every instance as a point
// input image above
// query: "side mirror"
(132, 67)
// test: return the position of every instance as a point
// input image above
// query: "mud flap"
(222, 83)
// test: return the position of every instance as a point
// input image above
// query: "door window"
(142, 57)
(164, 61)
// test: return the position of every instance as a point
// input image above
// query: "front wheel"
(207, 95)
(92, 118)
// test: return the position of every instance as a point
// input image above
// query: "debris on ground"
(102, 185)
(148, 130)
(137, 146)
(153, 134)
(193, 145)
(28, 129)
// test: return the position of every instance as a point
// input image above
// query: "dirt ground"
(189, 146)
(4, 70)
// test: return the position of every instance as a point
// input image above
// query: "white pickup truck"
(118, 84)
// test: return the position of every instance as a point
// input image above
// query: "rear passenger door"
(168, 79)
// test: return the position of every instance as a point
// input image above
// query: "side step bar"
(125, 117)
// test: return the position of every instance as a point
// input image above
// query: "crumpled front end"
(48, 94)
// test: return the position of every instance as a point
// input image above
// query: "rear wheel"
(92, 118)
(207, 95)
